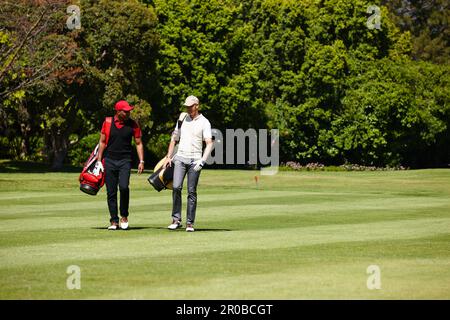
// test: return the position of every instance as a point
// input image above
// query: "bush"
(157, 146)
(81, 150)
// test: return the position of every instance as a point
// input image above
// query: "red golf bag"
(91, 177)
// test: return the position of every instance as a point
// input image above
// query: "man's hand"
(167, 163)
(141, 167)
(199, 165)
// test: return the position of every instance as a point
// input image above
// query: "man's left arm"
(140, 152)
(207, 137)
(208, 149)
(137, 133)
(200, 163)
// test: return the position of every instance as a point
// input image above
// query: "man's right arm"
(173, 141)
(168, 161)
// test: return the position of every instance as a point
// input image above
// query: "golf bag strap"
(108, 122)
(180, 122)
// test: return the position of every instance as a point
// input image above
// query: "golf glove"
(199, 165)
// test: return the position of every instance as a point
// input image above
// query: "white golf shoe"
(113, 226)
(190, 228)
(175, 225)
(124, 223)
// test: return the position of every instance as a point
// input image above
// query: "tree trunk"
(25, 127)
(59, 150)
(57, 133)
(24, 149)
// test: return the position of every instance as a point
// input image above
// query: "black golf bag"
(162, 178)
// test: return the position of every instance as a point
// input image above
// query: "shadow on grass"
(12, 166)
(211, 230)
(196, 229)
(165, 228)
(129, 229)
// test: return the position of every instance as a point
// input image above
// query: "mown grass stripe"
(162, 243)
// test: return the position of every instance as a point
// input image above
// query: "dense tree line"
(337, 90)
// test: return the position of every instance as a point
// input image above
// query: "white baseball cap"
(191, 100)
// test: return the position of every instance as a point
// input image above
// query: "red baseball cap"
(123, 105)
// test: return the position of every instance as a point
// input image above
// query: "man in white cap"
(189, 160)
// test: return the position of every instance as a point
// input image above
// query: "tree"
(24, 26)
(337, 90)
(428, 22)
(395, 112)
(109, 59)
(32, 54)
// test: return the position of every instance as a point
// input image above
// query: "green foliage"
(119, 45)
(428, 23)
(157, 145)
(141, 112)
(390, 116)
(338, 91)
(82, 149)
(109, 59)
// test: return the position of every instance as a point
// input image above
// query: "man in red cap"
(117, 156)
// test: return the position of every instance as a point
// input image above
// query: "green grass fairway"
(297, 235)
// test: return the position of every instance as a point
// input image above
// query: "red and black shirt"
(119, 144)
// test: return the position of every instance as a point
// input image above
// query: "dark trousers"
(182, 167)
(117, 174)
